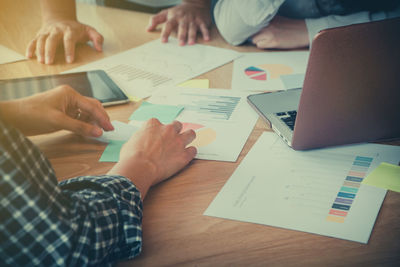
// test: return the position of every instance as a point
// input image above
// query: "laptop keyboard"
(288, 118)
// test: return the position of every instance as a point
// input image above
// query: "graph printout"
(140, 70)
(269, 71)
(316, 191)
(222, 119)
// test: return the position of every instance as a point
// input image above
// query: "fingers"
(166, 30)
(205, 32)
(182, 32)
(264, 39)
(177, 125)
(51, 46)
(30, 50)
(192, 33)
(191, 152)
(80, 127)
(40, 47)
(96, 38)
(69, 47)
(157, 19)
(96, 112)
(188, 136)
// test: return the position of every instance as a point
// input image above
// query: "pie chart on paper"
(267, 71)
(204, 135)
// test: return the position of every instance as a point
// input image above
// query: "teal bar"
(362, 163)
(367, 159)
(349, 189)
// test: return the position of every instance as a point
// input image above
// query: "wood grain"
(174, 230)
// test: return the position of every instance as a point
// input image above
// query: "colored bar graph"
(216, 107)
(348, 191)
(354, 179)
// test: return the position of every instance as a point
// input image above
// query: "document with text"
(318, 191)
(140, 70)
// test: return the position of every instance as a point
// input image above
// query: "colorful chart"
(349, 189)
(267, 71)
(204, 135)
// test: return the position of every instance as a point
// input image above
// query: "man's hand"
(155, 153)
(282, 33)
(57, 109)
(188, 19)
(66, 32)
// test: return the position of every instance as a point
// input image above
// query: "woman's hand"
(62, 32)
(282, 33)
(188, 18)
(59, 109)
(155, 153)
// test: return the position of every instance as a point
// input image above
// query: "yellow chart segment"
(276, 70)
(204, 137)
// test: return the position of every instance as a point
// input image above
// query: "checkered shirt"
(88, 220)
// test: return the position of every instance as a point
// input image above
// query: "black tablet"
(94, 84)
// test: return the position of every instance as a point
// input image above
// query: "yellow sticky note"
(385, 176)
(196, 83)
(134, 98)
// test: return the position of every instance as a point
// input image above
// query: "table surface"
(175, 232)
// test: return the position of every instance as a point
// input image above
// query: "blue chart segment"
(211, 106)
(349, 189)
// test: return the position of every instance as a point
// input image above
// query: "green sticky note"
(385, 176)
(164, 113)
(111, 153)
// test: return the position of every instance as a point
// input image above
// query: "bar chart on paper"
(348, 191)
(210, 107)
(312, 191)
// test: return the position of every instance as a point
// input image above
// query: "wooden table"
(174, 230)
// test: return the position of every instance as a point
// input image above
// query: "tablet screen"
(94, 84)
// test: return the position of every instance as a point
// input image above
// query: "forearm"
(55, 10)
(10, 113)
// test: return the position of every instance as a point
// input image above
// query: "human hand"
(282, 33)
(67, 32)
(57, 109)
(155, 153)
(188, 18)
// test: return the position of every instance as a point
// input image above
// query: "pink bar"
(338, 212)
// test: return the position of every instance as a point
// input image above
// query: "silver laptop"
(351, 91)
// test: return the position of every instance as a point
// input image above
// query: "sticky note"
(111, 153)
(196, 83)
(385, 176)
(122, 132)
(164, 113)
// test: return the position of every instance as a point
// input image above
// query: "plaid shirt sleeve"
(90, 220)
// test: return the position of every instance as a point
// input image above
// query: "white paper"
(7, 55)
(275, 185)
(261, 71)
(222, 119)
(122, 132)
(139, 71)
